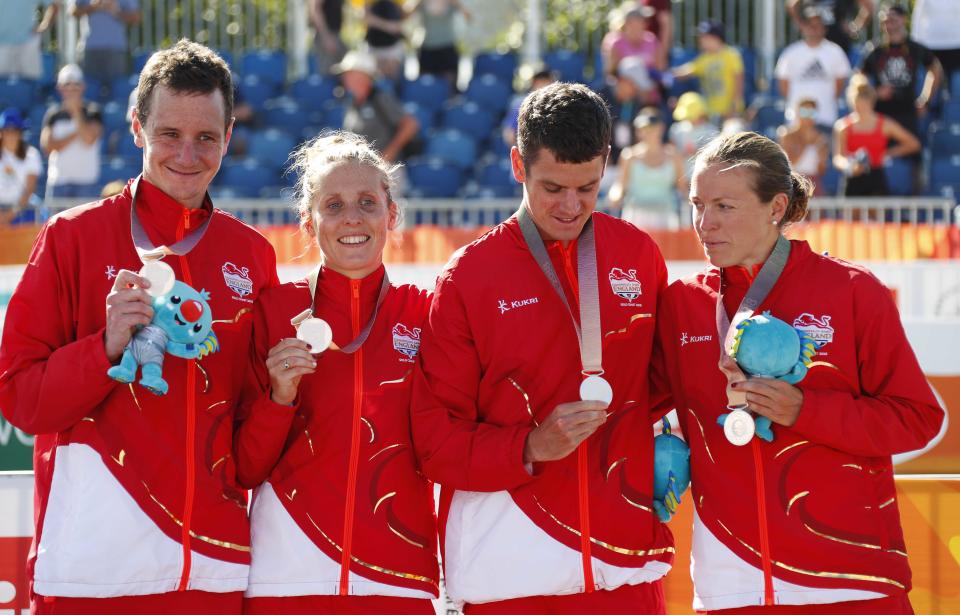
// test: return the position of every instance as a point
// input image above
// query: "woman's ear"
(778, 208)
(393, 221)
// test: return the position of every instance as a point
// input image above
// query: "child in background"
(720, 70)
(692, 128)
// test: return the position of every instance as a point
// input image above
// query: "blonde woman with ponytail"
(800, 516)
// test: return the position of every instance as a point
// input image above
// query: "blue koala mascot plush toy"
(764, 345)
(671, 472)
(182, 325)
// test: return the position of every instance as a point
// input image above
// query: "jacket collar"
(162, 216)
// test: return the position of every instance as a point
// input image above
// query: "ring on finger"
(286, 364)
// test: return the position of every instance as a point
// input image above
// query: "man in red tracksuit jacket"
(137, 506)
(546, 502)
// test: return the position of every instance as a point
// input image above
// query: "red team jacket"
(345, 510)
(499, 354)
(810, 517)
(136, 494)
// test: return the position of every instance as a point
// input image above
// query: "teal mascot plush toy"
(765, 346)
(671, 472)
(182, 325)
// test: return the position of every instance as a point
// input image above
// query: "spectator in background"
(892, 66)
(327, 19)
(807, 148)
(692, 128)
(720, 70)
(813, 68)
(651, 173)
(20, 166)
(860, 142)
(103, 36)
(660, 23)
(438, 53)
(20, 38)
(384, 19)
(540, 79)
(936, 26)
(374, 114)
(844, 19)
(71, 137)
(629, 38)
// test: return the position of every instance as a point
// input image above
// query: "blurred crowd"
(855, 116)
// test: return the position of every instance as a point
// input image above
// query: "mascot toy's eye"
(175, 300)
(198, 327)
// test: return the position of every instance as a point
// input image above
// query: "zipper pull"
(186, 219)
(355, 287)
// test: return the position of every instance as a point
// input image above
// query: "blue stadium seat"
(247, 175)
(125, 145)
(469, 118)
(94, 89)
(19, 93)
(118, 168)
(955, 85)
(434, 178)
(233, 192)
(270, 148)
(500, 65)
(313, 91)
(495, 191)
(951, 112)
(943, 140)
(333, 112)
(490, 93)
(140, 58)
(122, 86)
(945, 170)
(499, 172)
(426, 117)
(899, 172)
(114, 116)
(770, 115)
(284, 113)
(255, 91)
(682, 55)
(568, 64)
(830, 181)
(452, 146)
(48, 62)
(227, 57)
(427, 91)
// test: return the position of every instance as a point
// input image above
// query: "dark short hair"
(569, 119)
(187, 68)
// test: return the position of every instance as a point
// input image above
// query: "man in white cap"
(71, 137)
(374, 113)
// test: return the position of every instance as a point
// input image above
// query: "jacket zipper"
(762, 518)
(583, 480)
(348, 511)
(191, 431)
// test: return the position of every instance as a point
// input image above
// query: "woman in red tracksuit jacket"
(809, 518)
(344, 522)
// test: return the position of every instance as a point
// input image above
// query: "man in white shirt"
(813, 68)
(71, 137)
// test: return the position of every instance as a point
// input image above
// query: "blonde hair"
(859, 87)
(769, 167)
(315, 158)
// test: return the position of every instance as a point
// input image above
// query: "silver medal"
(595, 388)
(160, 276)
(739, 427)
(316, 333)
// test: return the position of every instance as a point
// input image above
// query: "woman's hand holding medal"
(773, 398)
(288, 362)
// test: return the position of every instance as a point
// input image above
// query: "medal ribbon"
(758, 291)
(355, 345)
(591, 352)
(145, 248)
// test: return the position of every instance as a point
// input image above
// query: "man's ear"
(137, 129)
(516, 162)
